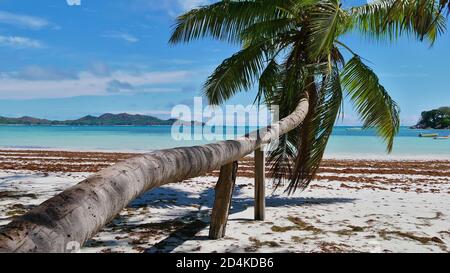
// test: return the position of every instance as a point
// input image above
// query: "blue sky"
(67, 58)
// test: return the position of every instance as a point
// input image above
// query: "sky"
(64, 59)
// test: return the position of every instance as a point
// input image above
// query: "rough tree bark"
(79, 212)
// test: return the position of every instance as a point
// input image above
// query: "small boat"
(443, 137)
(429, 135)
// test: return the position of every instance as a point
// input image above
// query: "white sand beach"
(353, 206)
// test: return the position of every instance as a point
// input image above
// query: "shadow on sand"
(200, 220)
(185, 228)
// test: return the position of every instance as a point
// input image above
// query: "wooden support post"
(260, 185)
(222, 202)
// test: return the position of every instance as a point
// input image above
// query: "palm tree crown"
(292, 50)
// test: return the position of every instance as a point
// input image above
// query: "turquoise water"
(344, 142)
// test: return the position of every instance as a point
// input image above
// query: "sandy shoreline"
(350, 156)
(354, 205)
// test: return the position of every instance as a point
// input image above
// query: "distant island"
(106, 119)
(434, 119)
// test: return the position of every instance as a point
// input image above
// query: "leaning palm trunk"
(78, 213)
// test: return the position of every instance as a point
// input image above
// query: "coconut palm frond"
(281, 157)
(444, 4)
(266, 30)
(316, 131)
(225, 20)
(268, 82)
(371, 100)
(290, 89)
(393, 18)
(239, 72)
(291, 49)
(326, 18)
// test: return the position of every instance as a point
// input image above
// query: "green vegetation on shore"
(106, 119)
(435, 119)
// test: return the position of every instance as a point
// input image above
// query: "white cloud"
(89, 84)
(121, 36)
(74, 2)
(115, 86)
(19, 42)
(38, 73)
(24, 21)
(100, 68)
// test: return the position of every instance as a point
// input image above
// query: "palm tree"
(292, 50)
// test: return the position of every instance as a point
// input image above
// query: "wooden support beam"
(260, 185)
(222, 202)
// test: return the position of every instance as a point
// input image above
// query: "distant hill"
(24, 120)
(435, 119)
(106, 119)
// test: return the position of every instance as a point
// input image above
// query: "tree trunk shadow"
(200, 220)
(195, 223)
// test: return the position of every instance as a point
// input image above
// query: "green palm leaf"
(238, 72)
(394, 18)
(266, 30)
(281, 158)
(291, 49)
(285, 92)
(371, 100)
(326, 19)
(268, 82)
(313, 141)
(225, 20)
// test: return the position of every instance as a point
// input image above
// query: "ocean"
(346, 142)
